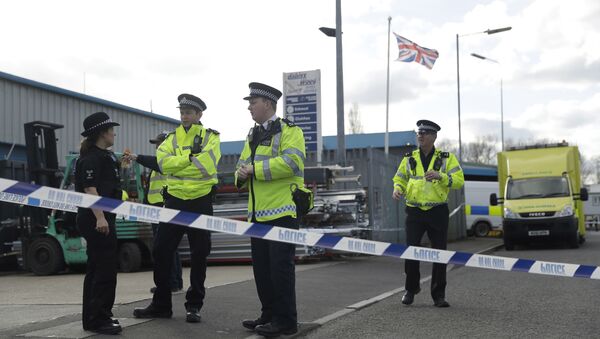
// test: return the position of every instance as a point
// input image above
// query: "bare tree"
(590, 169)
(354, 119)
(447, 145)
(585, 168)
(481, 151)
(595, 161)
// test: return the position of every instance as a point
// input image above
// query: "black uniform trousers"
(100, 280)
(435, 223)
(275, 276)
(176, 272)
(165, 244)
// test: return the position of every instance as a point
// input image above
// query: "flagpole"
(387, 94)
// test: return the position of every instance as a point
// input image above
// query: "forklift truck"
(49, 239)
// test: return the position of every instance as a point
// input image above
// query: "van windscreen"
(537, 188)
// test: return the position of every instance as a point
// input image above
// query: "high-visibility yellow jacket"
(190, 177)
(410, 179)
(278, 164)
(156, 181)
(155, 188)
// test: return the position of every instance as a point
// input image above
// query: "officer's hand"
(432, 175)
(102, 226)
(130, 157)
(397, 194)
(241, 172)
(249, 169)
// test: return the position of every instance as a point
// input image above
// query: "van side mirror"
(493, 199)
(583, 194)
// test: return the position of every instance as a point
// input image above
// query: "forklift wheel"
(45, 257)
(130, 257)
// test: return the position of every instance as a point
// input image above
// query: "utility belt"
(210, 197)
(415, 210)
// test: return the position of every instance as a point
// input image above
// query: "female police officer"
(97, 173)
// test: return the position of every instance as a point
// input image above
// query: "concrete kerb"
(305, 328)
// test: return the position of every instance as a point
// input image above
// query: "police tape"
(46, 197)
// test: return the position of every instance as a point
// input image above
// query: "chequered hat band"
(99, 124)
(257, 92)
(185, 101)
(427, 127)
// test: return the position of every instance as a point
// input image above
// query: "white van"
(481, 217)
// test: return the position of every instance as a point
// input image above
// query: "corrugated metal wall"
(20, 103)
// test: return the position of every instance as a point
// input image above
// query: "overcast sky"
(137, 52)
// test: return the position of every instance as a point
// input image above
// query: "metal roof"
(85, 97)
(353, 141)
(480, 170)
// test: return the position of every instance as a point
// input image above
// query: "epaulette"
(213, 131)
(445, 154)
(170, 133)
(288, 122)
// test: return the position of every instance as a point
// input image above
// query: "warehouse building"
(23, 100)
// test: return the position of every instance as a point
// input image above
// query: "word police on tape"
(46, 197)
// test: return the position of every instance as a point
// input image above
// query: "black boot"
(193, 316)
(409, 297)
(151, 312)
(272, 330)
(251, 324)
(440, 302)
(109, 328)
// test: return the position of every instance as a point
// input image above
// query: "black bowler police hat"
(162, 136)
(428, 125)
(96, 122)
(191, 101)
(261, 90)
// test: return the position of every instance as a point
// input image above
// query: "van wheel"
(130, 257)
(481, 229)
(45, 256)
(574, 240)
(509, 245)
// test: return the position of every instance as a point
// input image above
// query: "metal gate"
(386, 214)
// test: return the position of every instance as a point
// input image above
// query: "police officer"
(156, 183)
(424, 178)
(271, 162)
(97, 172)
(189, 158)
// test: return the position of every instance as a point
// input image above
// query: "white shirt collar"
(272, 118)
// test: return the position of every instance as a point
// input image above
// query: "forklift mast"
(42, 161)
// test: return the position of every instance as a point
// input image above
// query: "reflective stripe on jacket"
(190, 177)
(155, 188)
(427, 194)
(278, 164)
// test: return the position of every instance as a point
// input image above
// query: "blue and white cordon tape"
(45, 197)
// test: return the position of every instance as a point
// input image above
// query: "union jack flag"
(409, 52)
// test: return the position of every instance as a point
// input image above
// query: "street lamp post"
(337, 33)
(386, 140)
(501, 96)
(488, 31)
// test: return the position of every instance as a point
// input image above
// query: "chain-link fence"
(386, 215)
